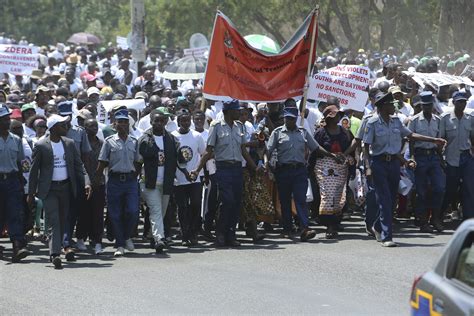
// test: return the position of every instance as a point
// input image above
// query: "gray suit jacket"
(41, 172)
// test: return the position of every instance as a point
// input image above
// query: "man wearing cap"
(27, 111)
(457, 127)
(11, 185)
(383, 138)
(158, 154)
(291, 173)
(402, 106)
(41, 99)
(227, 143)
(93, 94)
(428, 165)
(55, 173)
(120, 154)
(81, 141)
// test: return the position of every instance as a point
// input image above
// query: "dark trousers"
(91, 217)
(122, 199)
(56, 208)
(429, 173)
(386, 177)
(212, 203)
(76, 207)
(11, 207)
(188, 200)
(371, 208)
(454, 175)
(293, 182)
(230, 184)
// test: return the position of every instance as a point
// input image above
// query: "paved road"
(351, 276)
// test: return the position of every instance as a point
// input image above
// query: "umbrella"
(84, 38)
(263, 43)
(186, 68)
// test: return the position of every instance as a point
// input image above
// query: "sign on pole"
(18, 59)
(122, 42)
(348, 83)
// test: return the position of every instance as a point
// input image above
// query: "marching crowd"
(227, 164)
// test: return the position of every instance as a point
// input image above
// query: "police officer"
(227, 142)
(428, 169)
(457, 127)
(291, 173)
(383, 136)
(11, 185)
(120, 154)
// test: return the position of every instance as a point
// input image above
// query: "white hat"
(92, 90)
(54, 118)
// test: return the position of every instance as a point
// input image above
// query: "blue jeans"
(293, 182)
(122, 207)
(230, 184)
(464, 172)
(11, 207)
(428, 173)
(386, 177)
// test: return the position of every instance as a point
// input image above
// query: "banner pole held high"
(310, 62)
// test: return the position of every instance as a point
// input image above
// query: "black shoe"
(438, 226)
(233, 243)
(426, 228)
(220, 241)
(331, 233)
(57, 263)
(19, 251)
(186, 243)
(152, 243)
(307, 234)
(194, 242)
(369, 231)
(208, 236)
(69, 254)
(267, 227)
(159, 247)
(339, 227)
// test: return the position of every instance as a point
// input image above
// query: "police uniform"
(226, 141)
(122, 185)
(291, 173)
(370, 203)
(428, 170)
(385, 140)
(459, 160)
(11, 189)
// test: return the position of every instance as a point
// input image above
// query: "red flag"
(235, 70)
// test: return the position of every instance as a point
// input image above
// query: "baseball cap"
(163, 110)
(42, 89)
(15, 114)
(27, 106)
(4, 110)
(92, 90)
(54, 119)
(290, 112)
(65, 108)
(394, 89)
(84, 114)
(121, 114)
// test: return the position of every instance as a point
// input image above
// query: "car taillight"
(413, 287)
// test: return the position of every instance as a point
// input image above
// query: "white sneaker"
(80, 245)
(378, 235)
(119, 252)
(389, 243)
(129, 245)
(98, 249)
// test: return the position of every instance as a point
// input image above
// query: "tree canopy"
(370, 24)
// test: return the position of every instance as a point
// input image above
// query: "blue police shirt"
(385, 137)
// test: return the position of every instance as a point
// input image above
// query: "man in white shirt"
(187, 189)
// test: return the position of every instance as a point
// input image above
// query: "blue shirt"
(385, 137)
(290, 145)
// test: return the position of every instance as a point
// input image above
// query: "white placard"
(18, 59)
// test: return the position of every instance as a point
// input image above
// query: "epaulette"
(373, 119)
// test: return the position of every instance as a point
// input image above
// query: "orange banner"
(235, 70)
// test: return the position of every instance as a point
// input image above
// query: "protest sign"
(18, 59)
(437, 80)
(104, 107)
(236, 70)
(122, 42)
(196, 52)
(348, 83)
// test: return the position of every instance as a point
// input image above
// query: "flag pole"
(310, 63)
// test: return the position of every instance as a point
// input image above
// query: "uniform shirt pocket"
(13, 151)
(131, 151)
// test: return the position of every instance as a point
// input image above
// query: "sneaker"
(80, 245)
(378, 235)
(57, 263)
(389, 243)
(119, 252)
(159, 246)
(98, 249)
(307, 234)
(129, 245)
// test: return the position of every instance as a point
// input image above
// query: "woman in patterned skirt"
(331, 176)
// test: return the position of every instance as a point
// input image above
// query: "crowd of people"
(224, 166)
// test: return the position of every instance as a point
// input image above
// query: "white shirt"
(60, 169)
(161, 159)
(407, 109)
(249, 131)
(191, 148)
(144, 124)
(211, 163)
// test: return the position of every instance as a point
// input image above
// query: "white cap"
(92, 90)
(54, 118)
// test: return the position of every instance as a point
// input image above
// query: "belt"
(295, 165)
(426, 152)
(60, 182)
(5, 176)
(386, 157)
(121, 176)
(228, 163)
